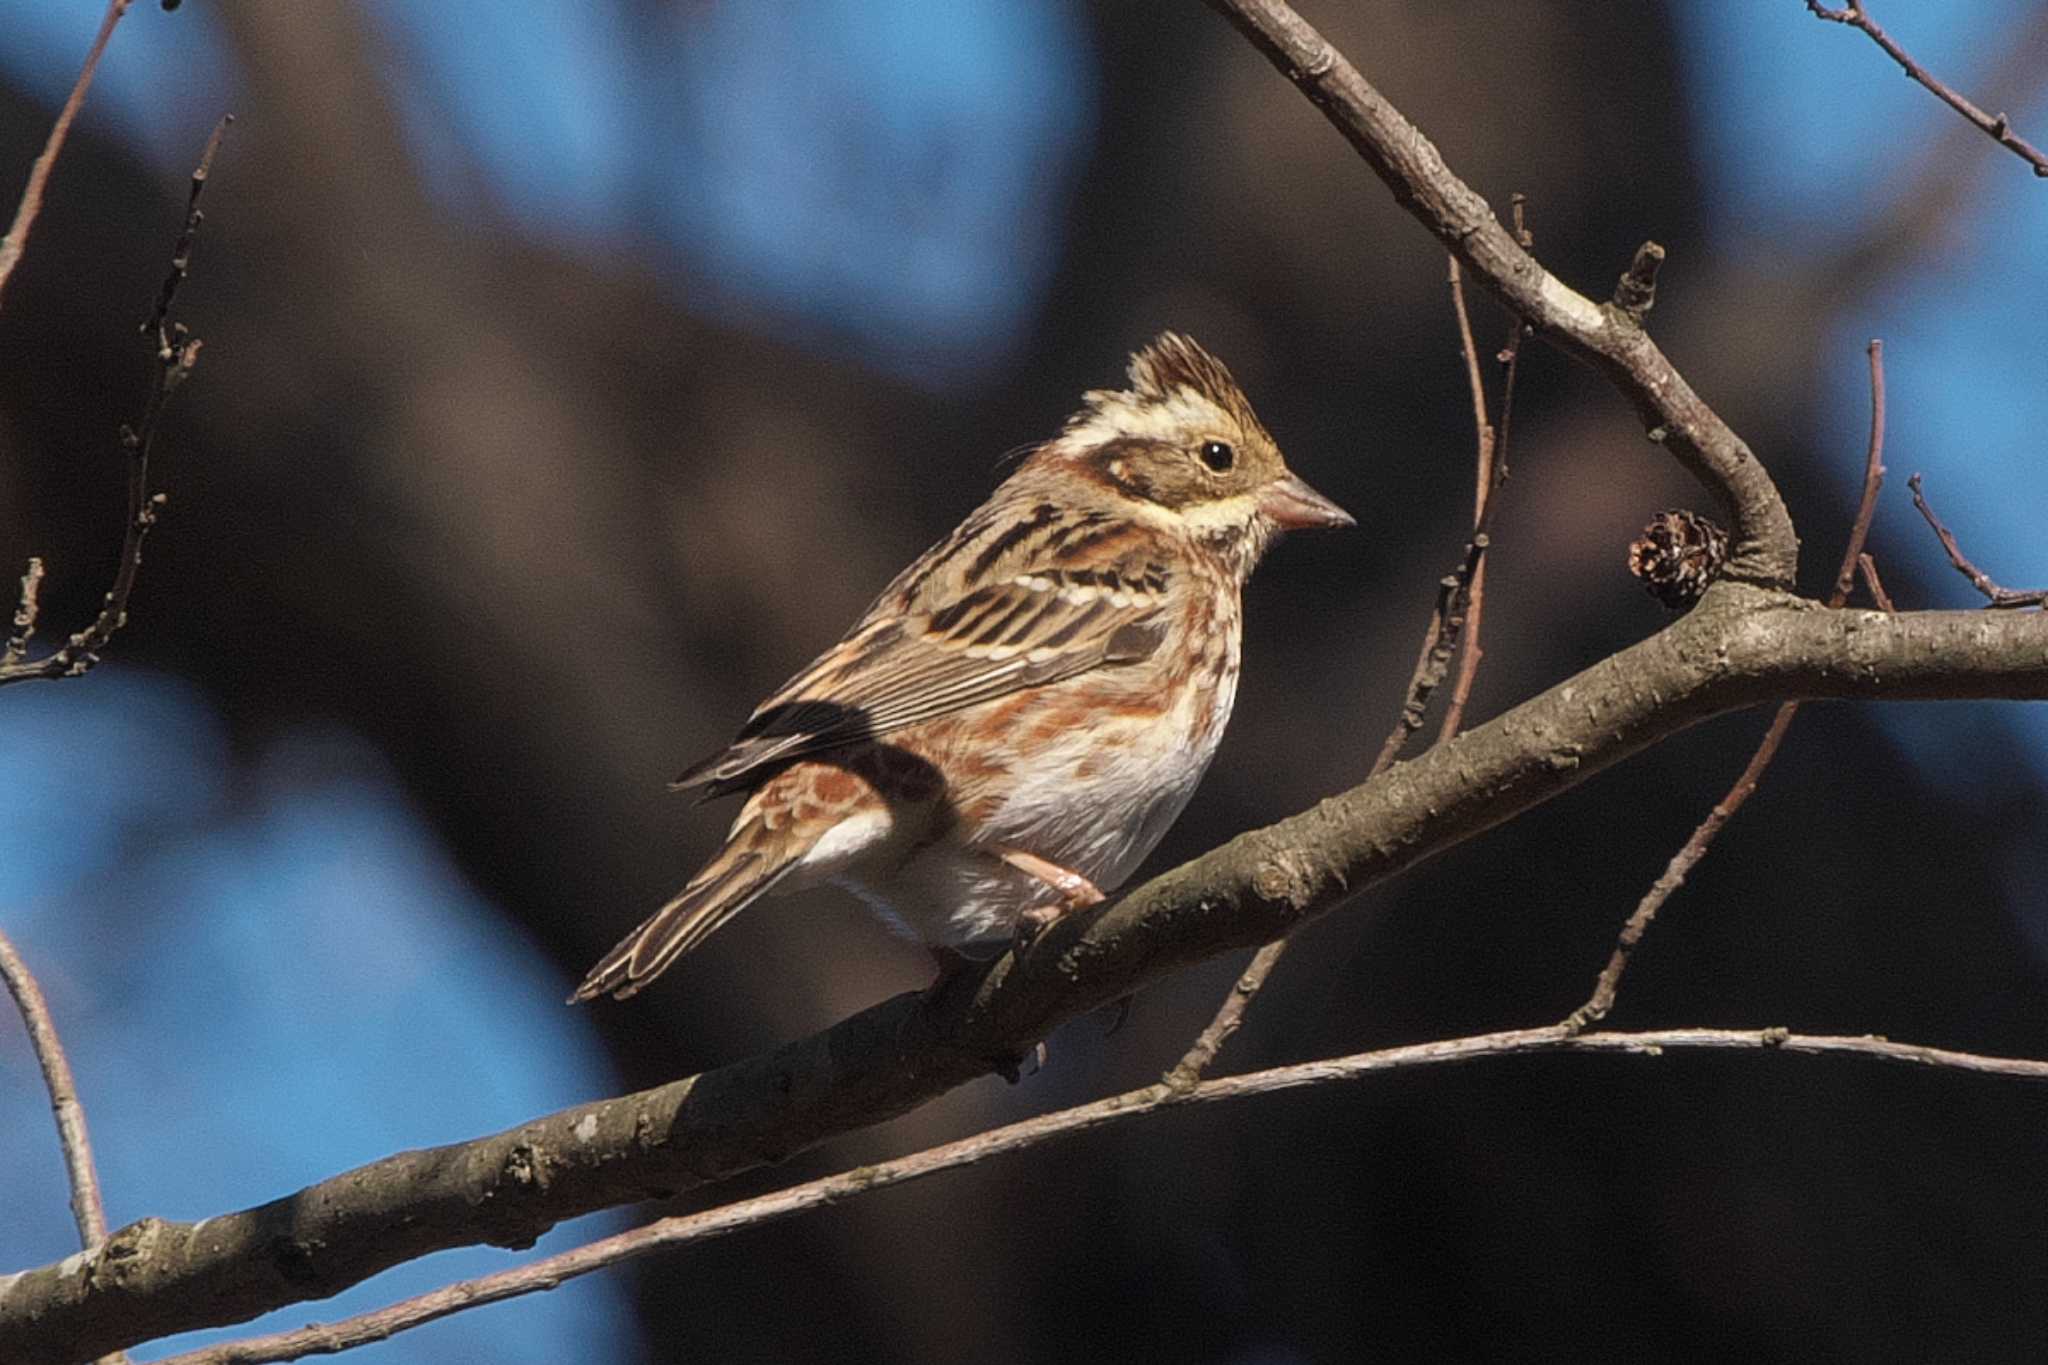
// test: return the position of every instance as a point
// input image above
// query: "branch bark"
(1746, 642)
(1739, 647)
(72, 1135)
(1605, 335)
(668, 1233)
(1997, 127)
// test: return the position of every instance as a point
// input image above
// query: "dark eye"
(1218, 455)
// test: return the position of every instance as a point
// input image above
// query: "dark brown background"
(542, 534)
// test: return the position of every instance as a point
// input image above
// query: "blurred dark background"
(573, 374)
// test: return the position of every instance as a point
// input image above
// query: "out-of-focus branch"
(73, 1138)
(669, 1233)
(31, 202)
(1739, 647)
(175, 351)
(25, 613)
(1601, 1002)
(1995, 596)
(1997, 127)
(1605, 335)
(86, 1208)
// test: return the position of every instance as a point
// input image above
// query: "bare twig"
(1873, 480)
(1439, 644)
(1995, 126)
(1608, 984)
(669, 1233)
(1741, 646)
(1460, 603)
(176, 351)
(1995, 595)
(1474, 382)
(1490, 464)
(86, 1208)
(1748, 642)
(1229, 1017)
(1766, 548)
(1876, 585)
(25, 613)
(31, 202)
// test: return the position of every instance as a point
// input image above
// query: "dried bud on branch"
(1677, 555)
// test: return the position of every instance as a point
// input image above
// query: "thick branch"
(1605, 335)
(668, 1233)
(1740, 646)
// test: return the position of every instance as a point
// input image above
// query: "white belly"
(1096, 801)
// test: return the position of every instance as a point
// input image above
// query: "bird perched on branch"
(1022, 714)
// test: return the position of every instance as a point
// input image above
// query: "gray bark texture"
(1742, 645)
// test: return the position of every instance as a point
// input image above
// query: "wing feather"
(1030, 628)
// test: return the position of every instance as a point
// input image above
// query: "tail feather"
(733, 881)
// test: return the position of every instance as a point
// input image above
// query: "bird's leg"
(1076, 892)
(953, 966)
(952, 962)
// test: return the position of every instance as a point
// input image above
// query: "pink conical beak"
(1293, 506)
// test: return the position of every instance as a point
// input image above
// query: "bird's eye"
(1218, 455)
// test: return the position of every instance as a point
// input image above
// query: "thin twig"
(1459, 604)
(1475, 382)
(31, 202)
(1489, 473)
(1608, 984)
(1875, 584)
(86, 1208)
(1482, 489)
(1995, 126)
(1983, 582)
(1228, 1019)
(1411, 167)
(1439, 644)
(175, 351)
(25, 613)
(669, 1233)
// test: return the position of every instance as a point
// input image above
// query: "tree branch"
(86, 1208)
(1995, 126)
(175, 351)
(669, 1233)
(1455, 621)
(1608, 984)
(1605, 335)
(1994, 595)
(1743, 644)
(31, 201)
(1739, 647)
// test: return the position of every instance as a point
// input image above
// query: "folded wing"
(897, 668)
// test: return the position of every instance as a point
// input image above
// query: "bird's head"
(1182, 450)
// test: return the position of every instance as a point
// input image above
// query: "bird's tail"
(735, 879)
